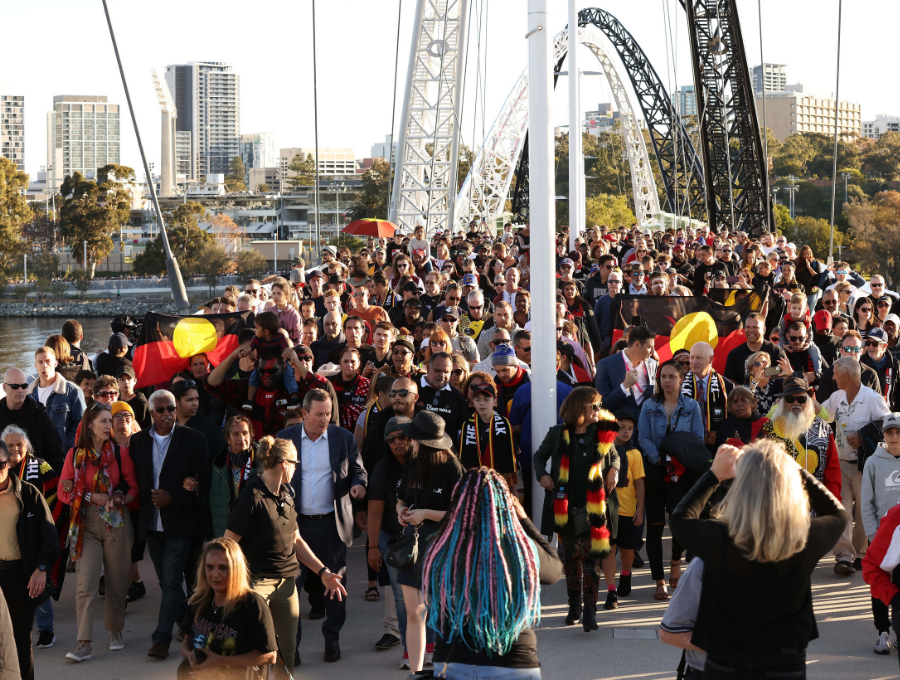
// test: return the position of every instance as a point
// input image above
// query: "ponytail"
(272, 452)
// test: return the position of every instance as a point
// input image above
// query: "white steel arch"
(486, 188)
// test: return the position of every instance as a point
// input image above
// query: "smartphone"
(772, 371)
(198, 656)
(733, 279)
(636, 321)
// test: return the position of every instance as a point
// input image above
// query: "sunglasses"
(391, 438)
(876, 285)
(796, 400)
(164, 409)
(268, 371)
(525, 349)
(456, 372)
(872, 343)
(829, 303)
(252, 291)
(186, 385)
(402, 393)
(852, 350)
(305, 357)
(107, 394)
(17, 386)
(865, 310)
(100, 406)
(596, 407)
(796, 338)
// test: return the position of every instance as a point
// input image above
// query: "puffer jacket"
(221, 490)
(653, 423)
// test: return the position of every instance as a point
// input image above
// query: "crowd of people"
(387, 392)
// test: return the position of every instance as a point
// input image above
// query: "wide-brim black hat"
(792, 386)
(428, 428)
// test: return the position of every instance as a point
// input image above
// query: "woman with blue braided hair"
(482, 579)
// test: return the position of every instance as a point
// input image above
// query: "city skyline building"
(12, 129)
(803, 110)
(208, 98)
(258, 150)
(772, 76)
(82, 136)
(873, 129)
(685, 100)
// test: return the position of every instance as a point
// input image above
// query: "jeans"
(171, 558)
(44, 616)
(383, 539)
(459, 671)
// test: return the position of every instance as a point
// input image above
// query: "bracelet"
(374, 547)
(322, 571)
(87, 497)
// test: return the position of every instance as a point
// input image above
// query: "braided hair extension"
(480, 575)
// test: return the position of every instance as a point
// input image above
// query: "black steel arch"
(684, 172)
(734, 160)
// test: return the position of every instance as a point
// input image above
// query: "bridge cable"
(387, 206)
(765, 126)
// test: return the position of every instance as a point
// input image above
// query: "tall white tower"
(168, 117)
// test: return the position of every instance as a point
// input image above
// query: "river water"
(19, 337)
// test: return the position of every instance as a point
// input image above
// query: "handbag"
(580, 522)
(402, 552)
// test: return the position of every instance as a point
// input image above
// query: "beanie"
(504, 355)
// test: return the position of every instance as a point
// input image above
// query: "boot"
(574, 615)
(589, 618)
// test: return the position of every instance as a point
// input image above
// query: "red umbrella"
(369, 226)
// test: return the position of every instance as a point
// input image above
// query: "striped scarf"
(607, 428)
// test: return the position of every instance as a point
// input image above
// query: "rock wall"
(77, 308)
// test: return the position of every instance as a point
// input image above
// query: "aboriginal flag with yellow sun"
(168, 342)
(679, 322)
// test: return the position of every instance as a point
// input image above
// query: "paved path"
(842, 605)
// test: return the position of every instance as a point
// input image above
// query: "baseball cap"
(894, 318)
(302, 349)
(409, 286)
(451, 311)
(125, 370)
(469, 280)
(317, 272)
(679, 241)
(334, 278)
(822, 319)
(565, 348)
(877, 334)
(118, 341)
(566, 261)
(484, 388)
(891, 421)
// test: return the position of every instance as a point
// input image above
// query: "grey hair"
(161, 394)
(314, 395)
(15, 429)
(851, 366)
(475, 295)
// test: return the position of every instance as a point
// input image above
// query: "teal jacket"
(221, 491)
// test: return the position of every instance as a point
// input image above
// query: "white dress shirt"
(160, 449)
(316, 477)
(639, 389)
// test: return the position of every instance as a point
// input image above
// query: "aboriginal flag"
(168, 342)
(679, 322)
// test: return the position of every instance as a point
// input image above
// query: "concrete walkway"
(843, 651)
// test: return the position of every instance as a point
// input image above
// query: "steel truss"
(737, 180)
(428, 150)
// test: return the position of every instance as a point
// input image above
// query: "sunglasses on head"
(186, 385)
(100, 406)
(799, 399)
(403, 393)
(164, 409)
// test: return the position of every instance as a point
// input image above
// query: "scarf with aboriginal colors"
(607, 428)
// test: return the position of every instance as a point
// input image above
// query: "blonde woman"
(758, 554)
(224, 601)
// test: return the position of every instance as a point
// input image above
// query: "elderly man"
(707, 388)
(62, 399)
(806, 436)
(476, 317)
(850, 408)
(333, 338)
(508, 294)
(851, 345)
(462, 344)
(30, 415)
(885, 366)
(498, 337)
(503, 318)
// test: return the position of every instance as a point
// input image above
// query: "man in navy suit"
(329, 473)
(628, 378)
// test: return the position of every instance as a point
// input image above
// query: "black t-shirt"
(734, 364)
(141, 410)
(248, 627)
(266, 524)
(107, 364)
(435, 493)
(449, 404)
(385, 482)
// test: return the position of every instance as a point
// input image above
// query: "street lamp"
(846, 176)
(775, 195)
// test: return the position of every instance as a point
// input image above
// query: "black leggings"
(655, 551)
(656, 493)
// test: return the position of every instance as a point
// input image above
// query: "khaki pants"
(102, 549)
(284, 603)
(851, 544)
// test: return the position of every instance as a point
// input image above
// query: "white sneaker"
(884, 643)
(116, 642)
(81, 653)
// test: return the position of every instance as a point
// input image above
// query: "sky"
(55, 47)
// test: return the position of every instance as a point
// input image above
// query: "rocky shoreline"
(82, 308)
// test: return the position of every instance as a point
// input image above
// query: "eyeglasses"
(391, 438)
(476, 306)
(122, 415)
(852, 350)
(525, 349)
(872, 343)
(108, 394)
(796, 338)
(402, 393)
(164, 409)
(17, 386)
(796, 400)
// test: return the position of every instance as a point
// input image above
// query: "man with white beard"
(806, 436)
(851, 407)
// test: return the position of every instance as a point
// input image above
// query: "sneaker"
(46, 638)
(387, 641)
(81, 653)
(116, 642)
(101, 591)
(247, 405)
(135, 591)
(844, 568)
(884, 643)
(404, 662)
(612, 600)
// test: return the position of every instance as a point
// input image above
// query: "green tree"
(234, 180)
(882, 160)
(82, 281)
(814, 232)
(609, 210)
(85, 216)
(783, 219)
(186, 239)
(262, 188)
(305, 171)
(372, 200)
(793, 156)
(773, 145)
(875, 229)
(213, 262)
(116, 183)
(250, 263)
(44, 266)
(14, 213)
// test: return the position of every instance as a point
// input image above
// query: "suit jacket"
(610, 376)
(346, 471)
(188, 514)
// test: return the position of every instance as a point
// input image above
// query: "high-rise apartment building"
(685, 100)
(331, 161)
(386, 150)
(258, 151)
(796, 111)
(208, 97)
(82, 136)
(873, 129)
(184, 159)
(12, 129)
(773, 76)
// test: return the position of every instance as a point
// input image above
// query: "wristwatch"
(42, 567)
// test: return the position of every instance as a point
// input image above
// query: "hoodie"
(880, 488)
(34, 419)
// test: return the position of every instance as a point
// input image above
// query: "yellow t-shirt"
(9, 515)
(627, 494)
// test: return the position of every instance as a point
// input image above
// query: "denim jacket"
(653, 422)
(65, 406)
